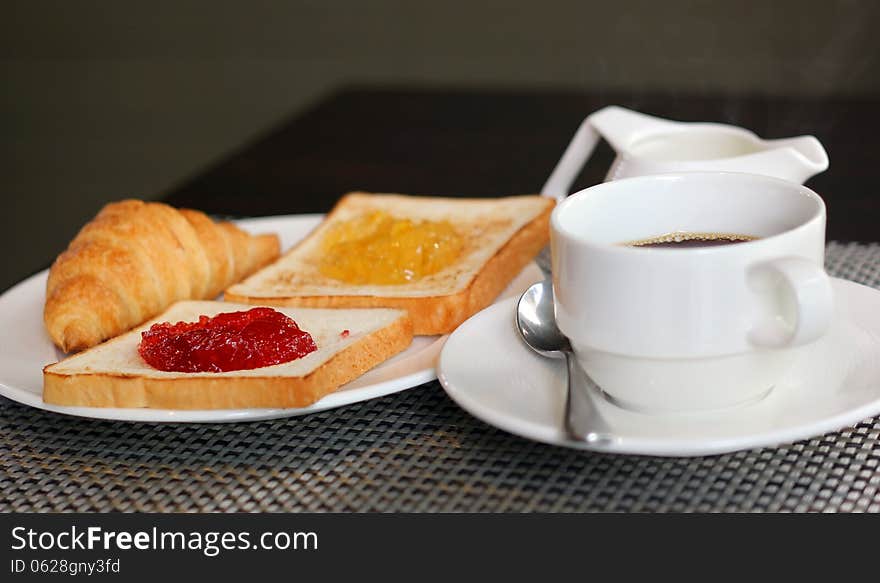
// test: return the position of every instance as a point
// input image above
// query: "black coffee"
(691, 240)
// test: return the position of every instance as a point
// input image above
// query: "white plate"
(25, 349)
(835, 383)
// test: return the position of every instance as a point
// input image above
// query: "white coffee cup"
(682, 329)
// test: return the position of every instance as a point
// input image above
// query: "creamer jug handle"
(619, 126)
(573, 159)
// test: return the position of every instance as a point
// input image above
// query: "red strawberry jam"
(232, 341)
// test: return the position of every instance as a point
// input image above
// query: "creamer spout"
(807, 149)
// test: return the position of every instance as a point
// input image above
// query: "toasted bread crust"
(228, 392)
(441, 314)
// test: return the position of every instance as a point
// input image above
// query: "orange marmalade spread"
(231, 341)
(377, 248)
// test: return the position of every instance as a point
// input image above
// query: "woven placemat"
(414, 451)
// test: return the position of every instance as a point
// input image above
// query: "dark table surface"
(416, 450)
(494, 143)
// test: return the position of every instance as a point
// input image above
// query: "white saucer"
(835, 383)
(25, 348)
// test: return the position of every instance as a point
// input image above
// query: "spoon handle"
(581, 417)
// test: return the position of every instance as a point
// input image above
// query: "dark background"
(105, 100)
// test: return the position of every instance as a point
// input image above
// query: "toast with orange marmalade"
(440, 259)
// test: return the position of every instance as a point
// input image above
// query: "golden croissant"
(134, 259)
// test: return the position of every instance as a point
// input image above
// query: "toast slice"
(500, 237)
(113, 374)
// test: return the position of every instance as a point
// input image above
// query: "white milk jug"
(651, 145)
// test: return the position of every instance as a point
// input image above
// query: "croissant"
(134, 259)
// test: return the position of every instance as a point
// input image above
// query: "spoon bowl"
(536, 322)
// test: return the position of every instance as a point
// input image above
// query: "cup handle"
(805, 308)
(573, 159)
